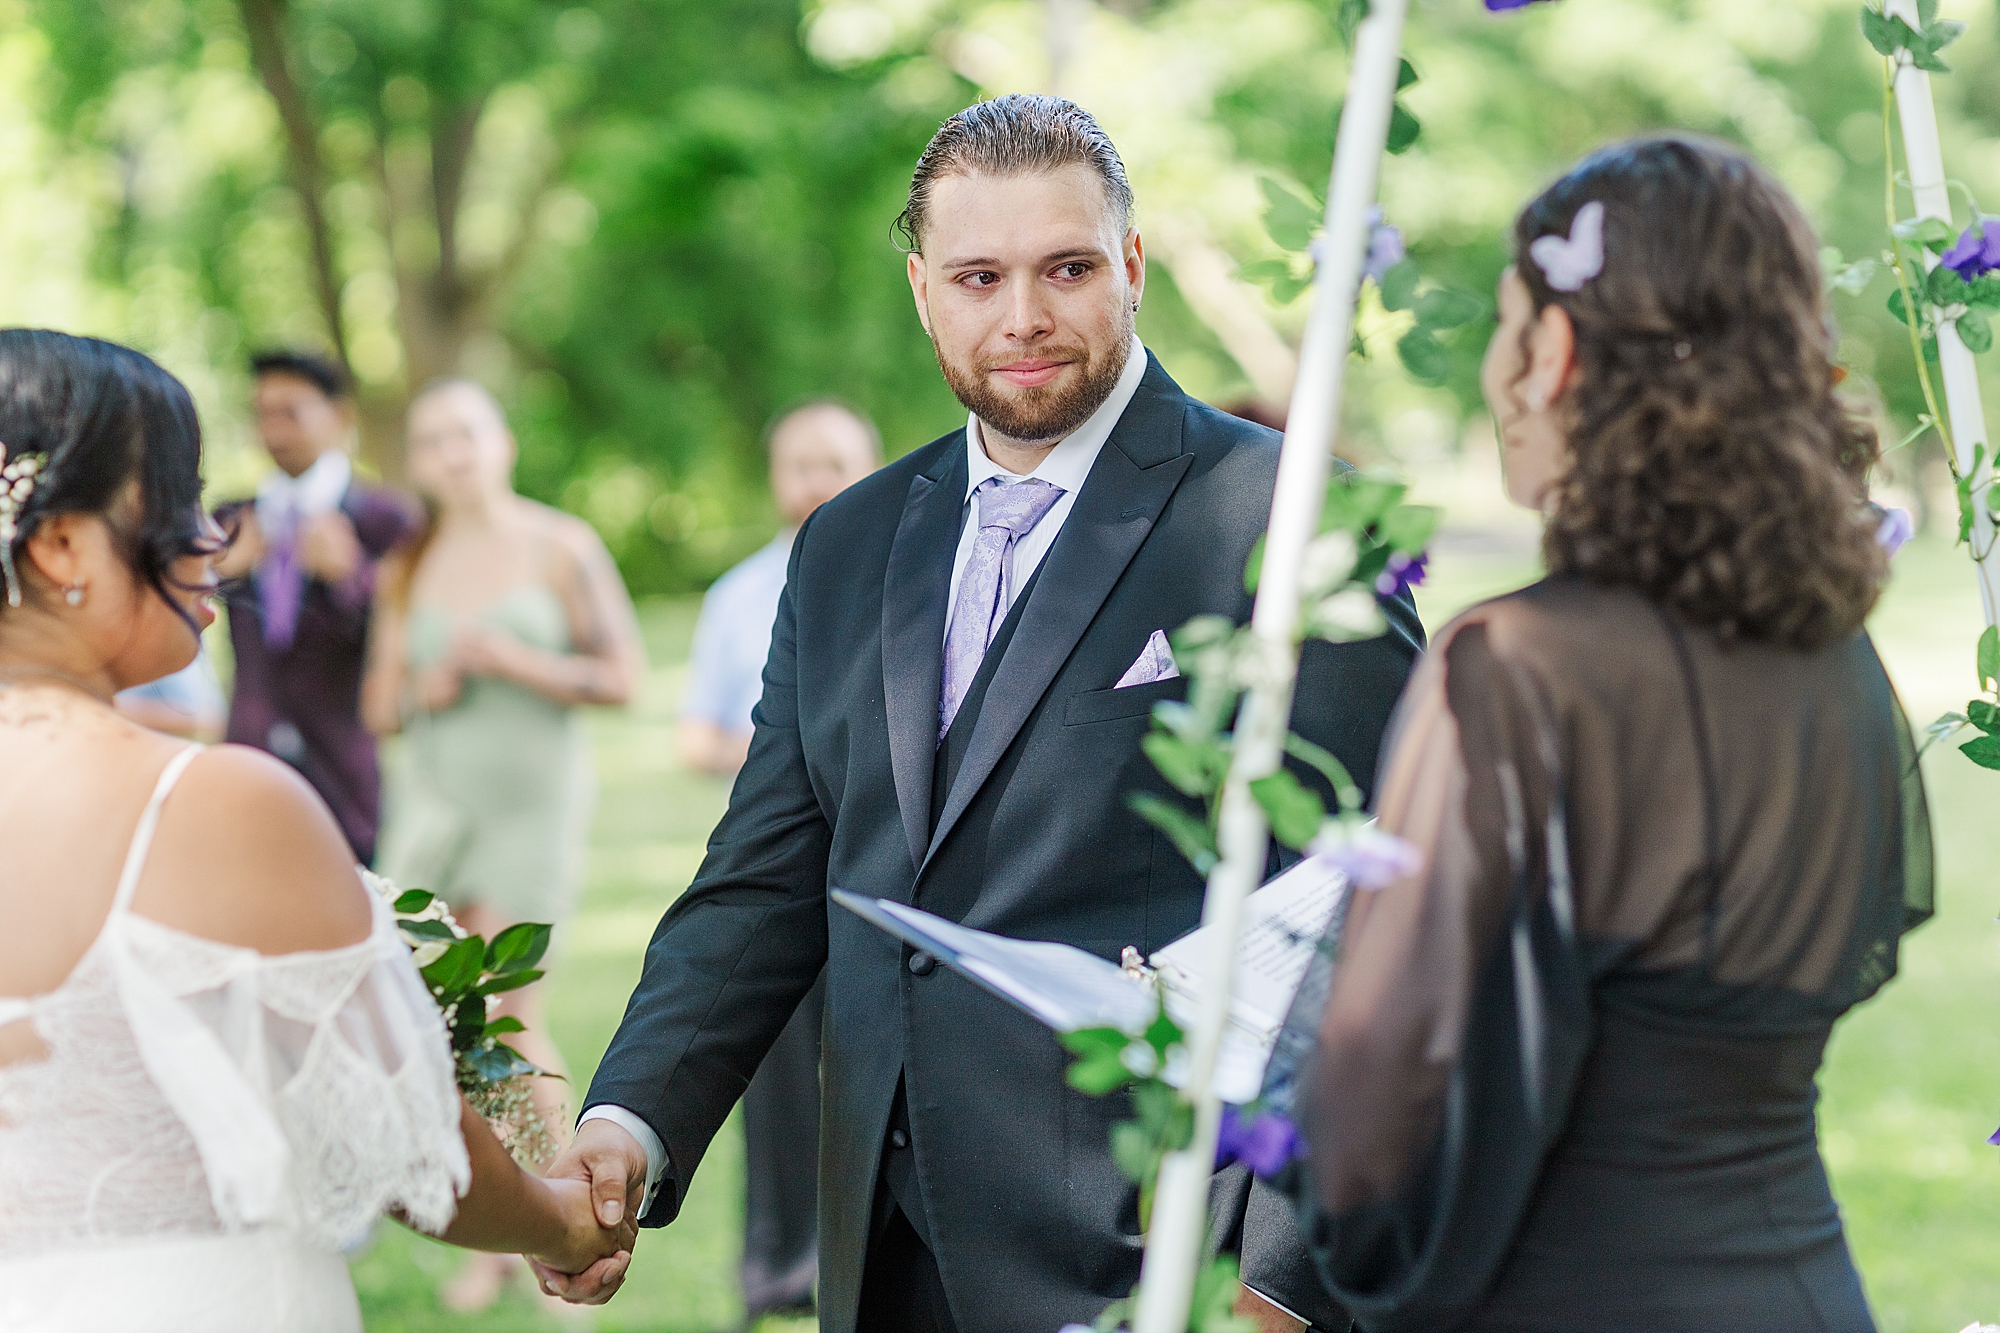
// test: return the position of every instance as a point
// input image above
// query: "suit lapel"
(1134, 477)
(915, 591)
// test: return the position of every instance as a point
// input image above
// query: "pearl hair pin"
(17, 483)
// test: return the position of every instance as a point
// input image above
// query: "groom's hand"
(613, 1164)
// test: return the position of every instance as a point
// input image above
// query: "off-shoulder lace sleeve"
(318, 1086)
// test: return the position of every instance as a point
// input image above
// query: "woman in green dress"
(491, 629)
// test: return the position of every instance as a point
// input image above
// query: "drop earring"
(74, 593)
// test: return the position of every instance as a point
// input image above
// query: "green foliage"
(1365, 522)
(1291, 218)
(462, 971)
(1295, 811)
(1399, 285)
(1891, 36)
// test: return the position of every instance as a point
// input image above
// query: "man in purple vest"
(299, 578)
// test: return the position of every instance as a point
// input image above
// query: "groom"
(949, 718)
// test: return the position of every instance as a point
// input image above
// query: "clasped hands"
(474, 651)
(607, 1167)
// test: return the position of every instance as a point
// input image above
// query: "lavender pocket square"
(1154, 663)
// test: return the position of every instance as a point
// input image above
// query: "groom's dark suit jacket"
(1026, 1212)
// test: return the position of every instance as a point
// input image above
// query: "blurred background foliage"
(649, 224)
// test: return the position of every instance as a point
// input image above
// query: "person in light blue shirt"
(817, 450)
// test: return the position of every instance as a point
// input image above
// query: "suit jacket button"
(898, 1139)
(921, 963)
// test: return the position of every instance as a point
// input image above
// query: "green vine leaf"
(1348, 18)
(1875, 26)
(1933, 234)
(1445, 308)
(1288, 216)
(1406, 74)
(1944, 287)
(1975, 331)
(1399, 285)
(1424, 356)
(1989, 657)
(1983, 751)
(1404, 129)
(1983, 293)
(412, 901)
(1899, 311)
(1330, 768)
(1295, 810)
(1194, 768)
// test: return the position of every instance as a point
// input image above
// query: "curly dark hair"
(1714, 468)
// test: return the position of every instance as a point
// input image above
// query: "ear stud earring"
(1537, 400)
(74, 593)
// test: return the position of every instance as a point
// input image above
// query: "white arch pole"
(1180, 1207)
(1925, 160)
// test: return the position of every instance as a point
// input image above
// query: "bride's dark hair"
(1713, 466)
(101, 417)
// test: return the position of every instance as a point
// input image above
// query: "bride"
(217, 1062)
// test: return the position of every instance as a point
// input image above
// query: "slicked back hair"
(1011, 135)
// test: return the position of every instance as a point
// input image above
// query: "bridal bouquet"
(463, 971)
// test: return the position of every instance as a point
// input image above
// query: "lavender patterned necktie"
(1007, 512)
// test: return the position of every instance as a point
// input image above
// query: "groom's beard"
(1034, 416)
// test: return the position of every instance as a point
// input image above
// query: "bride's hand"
(582, 1242)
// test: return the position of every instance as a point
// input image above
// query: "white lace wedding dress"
(210, 1125)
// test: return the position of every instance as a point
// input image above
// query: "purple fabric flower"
(1977, 251)
(1403, 572)
(1385, 247)
(1370, 858)
(1994, 1138)
(1895, 530)
(1263, 1142)
(1497, 6)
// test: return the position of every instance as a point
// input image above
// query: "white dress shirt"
(1066, 466)
(283, 502)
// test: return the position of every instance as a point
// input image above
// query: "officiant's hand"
(613, 1165)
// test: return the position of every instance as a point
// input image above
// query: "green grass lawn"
(1912, 1089)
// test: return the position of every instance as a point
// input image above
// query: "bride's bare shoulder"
(248, 854)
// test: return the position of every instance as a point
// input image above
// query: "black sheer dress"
(1565, 1073)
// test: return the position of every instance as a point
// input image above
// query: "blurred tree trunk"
(441, 305)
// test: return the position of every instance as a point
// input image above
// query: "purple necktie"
(281, 583)
(1008, 511)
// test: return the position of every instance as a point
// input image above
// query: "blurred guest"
(493, 625)
(817, 450)
(300, 574)
(189, 703)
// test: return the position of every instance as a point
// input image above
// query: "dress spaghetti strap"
(149, 823)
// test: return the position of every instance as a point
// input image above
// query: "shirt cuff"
(656, 1151)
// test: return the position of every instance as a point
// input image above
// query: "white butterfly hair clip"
(17, 483)
(1569, 262)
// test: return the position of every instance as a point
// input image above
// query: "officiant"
(965, 658)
